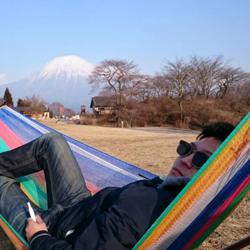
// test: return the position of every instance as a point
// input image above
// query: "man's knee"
(52, 136)
(52, 141)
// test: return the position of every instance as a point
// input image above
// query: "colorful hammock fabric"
(200, 207)
(100, 169)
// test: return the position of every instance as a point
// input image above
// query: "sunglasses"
(184, 149)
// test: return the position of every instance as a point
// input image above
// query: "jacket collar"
(171, 181)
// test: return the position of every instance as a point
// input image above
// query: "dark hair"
(219, 130)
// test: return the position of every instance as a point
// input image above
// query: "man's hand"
(33, 227)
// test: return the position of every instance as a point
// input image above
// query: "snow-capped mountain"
(63, 79)
(67, 67)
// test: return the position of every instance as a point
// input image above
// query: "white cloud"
(3, 78)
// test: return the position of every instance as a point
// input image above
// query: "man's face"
(183, 164)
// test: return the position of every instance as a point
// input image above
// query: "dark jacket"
(114, 218)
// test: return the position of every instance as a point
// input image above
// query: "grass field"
(156, 153)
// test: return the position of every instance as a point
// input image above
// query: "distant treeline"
(187, 93)
(184, 93)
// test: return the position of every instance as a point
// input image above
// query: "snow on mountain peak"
(67, 67)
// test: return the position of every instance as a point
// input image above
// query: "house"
(103, 105)
(30, 112)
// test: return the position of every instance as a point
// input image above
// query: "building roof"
(103, 101)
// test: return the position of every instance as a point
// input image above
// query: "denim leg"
(13, 204)
(50, 152)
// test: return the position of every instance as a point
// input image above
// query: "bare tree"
(24, 102)
(178, 75)
(245, 94)
(230, 77)
(204, 74)
(37, 104)
(161, 85)
(118, 76)
(141, 88)
(33, 104)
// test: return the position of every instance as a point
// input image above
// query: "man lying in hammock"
(114, 218)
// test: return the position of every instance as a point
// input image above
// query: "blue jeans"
(64, 180)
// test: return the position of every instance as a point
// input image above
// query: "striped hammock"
(211, 195)
(208, 198)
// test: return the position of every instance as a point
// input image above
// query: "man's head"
(193, 155)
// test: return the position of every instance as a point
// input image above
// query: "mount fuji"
(64, 79)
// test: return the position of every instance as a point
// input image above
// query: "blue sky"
(147, 32)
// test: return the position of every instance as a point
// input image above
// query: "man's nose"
(188, 160)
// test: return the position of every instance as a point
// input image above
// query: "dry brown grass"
(154, 152)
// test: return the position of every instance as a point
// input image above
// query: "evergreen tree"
(8, 97)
